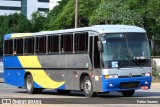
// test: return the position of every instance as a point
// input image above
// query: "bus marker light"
(96, 78)
(106, 76)
(147, 74)
(90, 69)
(146, 83)
(111, 85)
(144, 87)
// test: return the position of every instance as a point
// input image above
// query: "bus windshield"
(125, 50)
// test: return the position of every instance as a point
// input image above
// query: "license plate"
(144, 87)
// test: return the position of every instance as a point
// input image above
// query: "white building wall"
(10, 3)
(32, 6)
(7, 3)
(42, 5)
(53, 3)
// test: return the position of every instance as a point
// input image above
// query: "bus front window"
(122, 49)
(138, 49)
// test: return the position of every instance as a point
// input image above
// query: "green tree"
(65, 18)
(14, 23)
(115, 12)
(38, 21)
(52, 15)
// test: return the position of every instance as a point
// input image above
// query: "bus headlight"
(111, 76)
(146, 74)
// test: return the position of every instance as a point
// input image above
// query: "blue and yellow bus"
(101, 58)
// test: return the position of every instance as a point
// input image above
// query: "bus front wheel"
(29, 84)
(88, 87)
(128, 93)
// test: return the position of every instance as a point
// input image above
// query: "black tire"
(63, 92)
(128, 93)
(88, 87)
(29, 84)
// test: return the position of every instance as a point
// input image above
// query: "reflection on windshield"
(123, 48)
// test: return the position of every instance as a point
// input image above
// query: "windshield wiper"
(119, 66)
(139, 61)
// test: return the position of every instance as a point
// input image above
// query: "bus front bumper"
(121, 84)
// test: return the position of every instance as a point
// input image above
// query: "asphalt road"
(52, 97)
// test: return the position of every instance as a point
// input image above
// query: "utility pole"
(76, 14)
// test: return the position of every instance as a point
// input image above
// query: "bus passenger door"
(95, 59)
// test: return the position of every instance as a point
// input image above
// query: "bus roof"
(97, 28)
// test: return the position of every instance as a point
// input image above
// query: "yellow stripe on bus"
(39, 76)
(20, 35)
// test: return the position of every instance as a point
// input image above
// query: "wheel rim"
(87, 86)
(29, 84)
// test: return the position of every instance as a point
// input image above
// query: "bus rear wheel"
(88, 87)
(128, 93)
(29, 84)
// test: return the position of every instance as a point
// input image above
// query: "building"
(26, 7)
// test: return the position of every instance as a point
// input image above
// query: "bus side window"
(67, 43)
(81, 42)
(53, 44)
(8, 47)
(29, 45)
(96, 53)
(93, 52)
(41, 45)
(91, 48)
(18, 47)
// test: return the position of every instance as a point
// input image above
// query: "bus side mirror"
(100, 46)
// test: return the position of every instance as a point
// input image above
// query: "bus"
(100, 58)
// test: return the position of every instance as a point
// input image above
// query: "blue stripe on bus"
(7, 36)
(116, 83)
(11, 62)
(62, 87)
(36, 85)
(15, 77)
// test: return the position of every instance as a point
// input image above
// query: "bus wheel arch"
(87, 85)
(83, 75)
(29, 84)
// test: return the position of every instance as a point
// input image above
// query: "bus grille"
(124, 85)
(129, 77)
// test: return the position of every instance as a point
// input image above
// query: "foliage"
(38, 21)
(115, 12)
(52, 15)
(14, 23)
(144, 13)
(65, 18)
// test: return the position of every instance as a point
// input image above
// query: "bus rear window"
(8, 47)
